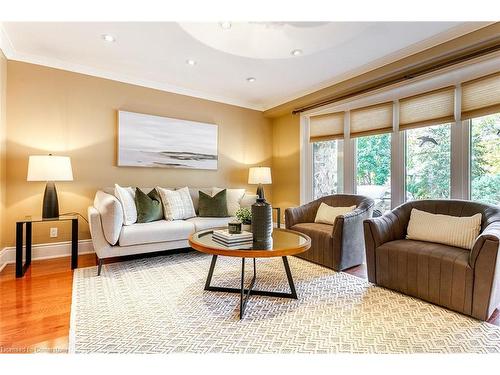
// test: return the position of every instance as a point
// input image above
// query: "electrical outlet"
(53, 232)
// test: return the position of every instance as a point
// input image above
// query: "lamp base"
(50, 208)
(260, 191)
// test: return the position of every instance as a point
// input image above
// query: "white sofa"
(111, 238)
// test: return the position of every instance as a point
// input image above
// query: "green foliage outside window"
(428, 162)
(485, 159)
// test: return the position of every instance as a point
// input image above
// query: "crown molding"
(11, 54)
(443, 37)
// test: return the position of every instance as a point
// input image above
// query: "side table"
(28, 221)
(278, 216)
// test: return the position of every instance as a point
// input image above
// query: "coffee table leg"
(293, 293)
(245, 292)
(210, 272)
(244, 298)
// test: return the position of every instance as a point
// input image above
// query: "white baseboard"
(46, 251)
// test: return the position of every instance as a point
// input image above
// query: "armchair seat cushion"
(315, 230)
(437, 273)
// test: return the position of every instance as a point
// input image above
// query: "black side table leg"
(19, 249)
(74, 243)
(28, 247)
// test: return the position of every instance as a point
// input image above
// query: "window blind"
(481, 97)
(326, 127)
(430, 108)
(375, 119)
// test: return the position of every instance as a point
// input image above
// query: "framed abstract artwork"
(163, 142)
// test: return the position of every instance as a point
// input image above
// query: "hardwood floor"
(35, 310)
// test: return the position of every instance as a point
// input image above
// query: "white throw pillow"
(248, 200)
(111, 212)
(233, 197)
(126, 196)
(326, 214)
(177, 204)
(445, 229)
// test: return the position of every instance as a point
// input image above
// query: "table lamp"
(261, 176)
(49, 168)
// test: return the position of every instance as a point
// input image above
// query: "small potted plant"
(245, 216)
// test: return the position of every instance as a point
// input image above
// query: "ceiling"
(225, 55)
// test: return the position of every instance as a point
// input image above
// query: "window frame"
(460, 154)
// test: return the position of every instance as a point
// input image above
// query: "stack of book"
(243, 240)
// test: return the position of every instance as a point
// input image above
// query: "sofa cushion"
(445, 229)
(248, 200)
(111, 212)
(434, 272)
(156, 231)
(202, 223)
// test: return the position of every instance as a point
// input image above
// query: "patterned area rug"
(158, 305)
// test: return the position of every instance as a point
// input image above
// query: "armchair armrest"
(380, 229)
(484, 259)
(348, 237)
(302, 214)
(489, 237)
(377, 231)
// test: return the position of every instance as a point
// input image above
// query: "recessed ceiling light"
(108, 38)
(296, 52)
(190, 62)
(225, 25)
(251, 79)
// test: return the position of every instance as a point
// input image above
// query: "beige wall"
(286, 161)
(51, 110)
(3, 130)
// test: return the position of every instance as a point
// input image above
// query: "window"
(485, 159)
(373, 170)
(428, 162)
(326, 168)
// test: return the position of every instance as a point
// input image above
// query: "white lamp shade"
(259, 175)
(49, 168)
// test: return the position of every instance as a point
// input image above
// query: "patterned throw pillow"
(215, 206)
(177, 204)
(148, 206)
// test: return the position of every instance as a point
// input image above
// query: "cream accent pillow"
(177, 204)
(445, 229)
(233, 197)
(248, 200)
(326, 214)
(126, 196)
(111, 212)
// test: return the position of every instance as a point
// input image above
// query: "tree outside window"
(485, 159)
(428, 162)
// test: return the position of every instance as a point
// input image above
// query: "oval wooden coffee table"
(285, 242)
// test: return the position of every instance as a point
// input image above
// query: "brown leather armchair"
(338, 246)
(467, 281)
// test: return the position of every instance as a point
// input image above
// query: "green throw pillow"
(215, 206)
(149, 206)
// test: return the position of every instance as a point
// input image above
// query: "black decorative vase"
(262, 224)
